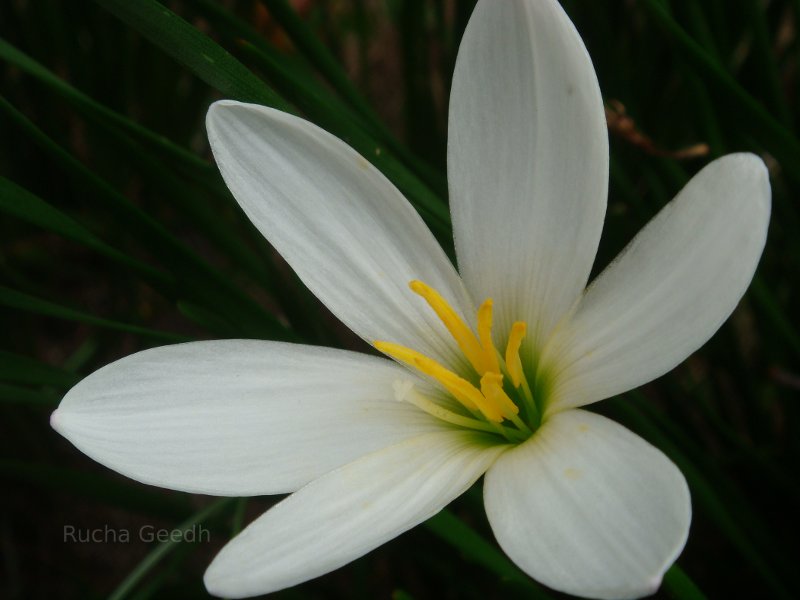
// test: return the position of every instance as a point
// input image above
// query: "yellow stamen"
(461, 389)
(431, 368)
(463, 335)
(492, 388)
(485, 335)
(513, 362)
(448, 416)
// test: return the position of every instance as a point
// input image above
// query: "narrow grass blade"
(92, 109)
(704, 495)
(190, 47)
(461, 536)
(767, 61)
(780, 322)
(22, 204)
(15, 368)
(218, 68)
(754, 117)
(14, 394)
(124, 131)
(163, 549)
(195, 275)
(98, 488)
(328, 66)
(680, 586)
(20, 301)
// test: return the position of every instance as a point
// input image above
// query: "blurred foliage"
(117, 233)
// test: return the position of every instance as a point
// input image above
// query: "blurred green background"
(117, 233)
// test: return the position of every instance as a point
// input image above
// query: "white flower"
(581, 504)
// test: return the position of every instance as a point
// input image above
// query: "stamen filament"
(485, 336)
(534, 415)
(435, 410)
(513, 362)
(462, 334)
(461, 389)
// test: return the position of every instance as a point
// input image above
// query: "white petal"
(588, 508)
(348, 512)
(237, 417)
(670, 289)
(342, 226)
(527, 162)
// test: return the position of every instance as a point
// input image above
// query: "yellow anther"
(433, 369)
(401, 353)
(492, 388)
(461, 389)
(490, 361)
(463, 335)
(513, 362)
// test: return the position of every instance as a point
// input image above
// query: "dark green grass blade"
(756, 13)
(92, 109)
(311, 47)
(703, 492)
(15, 368)
(471, 544)
(22, 204)
(14, 394)
(772, 308)
(754, 117)
(200, 280)
(203, 205)
(98, 488)
(190, 47)
(204, 175)
(164, 548)
(25, 302)
(328, 66)
(125, 134)
(680, 586)
(222, 71)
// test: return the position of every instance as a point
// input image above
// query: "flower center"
(495, 396)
